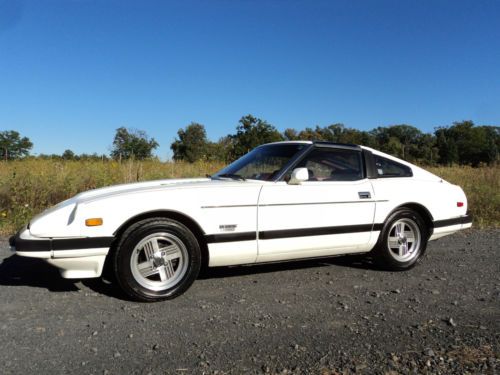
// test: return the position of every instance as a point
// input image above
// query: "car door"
(330, 213)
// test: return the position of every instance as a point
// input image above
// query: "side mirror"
(299, 175)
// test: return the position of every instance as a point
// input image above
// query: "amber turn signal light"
(94, 222)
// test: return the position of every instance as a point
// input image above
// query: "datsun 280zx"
(281, 201)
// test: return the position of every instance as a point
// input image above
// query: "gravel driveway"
(336, 315)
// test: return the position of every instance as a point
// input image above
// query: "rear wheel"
(156, 259)
(403, 240)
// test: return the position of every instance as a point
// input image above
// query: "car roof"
(335, 144)
(320, 143)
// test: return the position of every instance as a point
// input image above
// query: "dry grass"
(27, 187)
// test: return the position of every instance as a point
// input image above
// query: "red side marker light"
(460, 204)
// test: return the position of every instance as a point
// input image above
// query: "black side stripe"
(290, 233)
(303, 232)
(448, 222)
(81, 243)
(231, 237)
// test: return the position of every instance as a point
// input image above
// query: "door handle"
(364, 195)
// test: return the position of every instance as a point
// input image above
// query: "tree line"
(127, 144)
(462, 143)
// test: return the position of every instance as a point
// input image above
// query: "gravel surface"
(330, 316)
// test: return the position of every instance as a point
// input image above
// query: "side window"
(329, 164)
(389, 168)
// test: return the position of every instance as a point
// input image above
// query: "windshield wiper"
(232, 176)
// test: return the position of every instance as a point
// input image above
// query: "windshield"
(262, 163)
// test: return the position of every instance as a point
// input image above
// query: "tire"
(156, 259)
(402, 241)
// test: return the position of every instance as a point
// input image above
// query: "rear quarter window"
(389, 168)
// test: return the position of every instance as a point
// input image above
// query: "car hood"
(138, 187)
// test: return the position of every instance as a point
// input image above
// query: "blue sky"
(71, 71)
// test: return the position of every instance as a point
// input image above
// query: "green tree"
(192, 144)
(220, 150)
(49, 156)
(68, 155)
(310, 134)
(426, 151)
(492, 146)
(252, 132)
(13, 146)
(290, 134)
(447, 148)
(132, 143)
(465, 143)
(337, 133)
(358, 137)
(333, 132)
(399, 140)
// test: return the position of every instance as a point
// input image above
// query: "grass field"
(29, 186)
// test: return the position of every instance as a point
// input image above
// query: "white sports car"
(281, 201)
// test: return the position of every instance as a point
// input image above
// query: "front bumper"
(23, 241)
(74, 257)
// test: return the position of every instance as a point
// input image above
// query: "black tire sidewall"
(383, 253)
(138, 232)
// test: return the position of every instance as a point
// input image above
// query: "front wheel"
(156, 259)
(403, 240)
